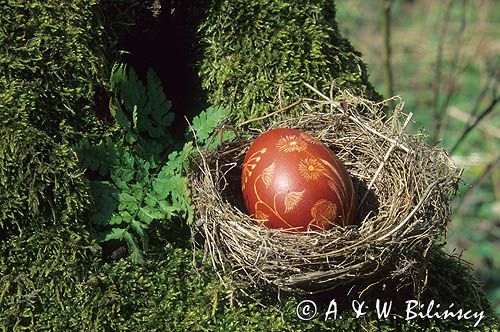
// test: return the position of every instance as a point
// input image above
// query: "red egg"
(290, 180)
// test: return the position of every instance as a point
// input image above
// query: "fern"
(120, 197)
(142, 110)
(95, 157)
(142, 180)
(204, 124)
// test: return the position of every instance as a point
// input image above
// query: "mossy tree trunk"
(256, 55)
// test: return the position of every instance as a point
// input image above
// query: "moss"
(50, 63)
(255, 53)
(451, 280)
(40, 180)
(52, 279)
(54, 62)
(41, 269)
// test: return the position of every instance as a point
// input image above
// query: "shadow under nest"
(403, 189)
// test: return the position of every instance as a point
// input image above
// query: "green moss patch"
(257, 54)
(40, 180)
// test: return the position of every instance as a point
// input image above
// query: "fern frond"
(128, 88)
(111, 234)
(128, 202)
(146, 112)
(140, 229)
(118, 75)
(106, 197)
(178, 161)
(95, 157)
(205, 123)
(158, 105)
(116, 111)
(122, 234)
(143, 184)
(135, 252)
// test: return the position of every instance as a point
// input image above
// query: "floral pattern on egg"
(290, 180)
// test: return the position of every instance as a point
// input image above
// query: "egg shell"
(291, 180)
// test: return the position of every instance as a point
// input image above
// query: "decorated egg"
(290, 180)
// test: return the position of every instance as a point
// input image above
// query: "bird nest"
(403, 190)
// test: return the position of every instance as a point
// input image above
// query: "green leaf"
(126, 216)
(204, 124)
(158, 103)
(128, 202)
(140, 228)
(135, 251)
(227, 135)
(133, 92)
(147, 214)
(135, 116)
(120, 117)
(112, 234)
(141, 187)
(106, 201)
(167, 209)
(177, 161)
(96, 157)
(147, 107)
(115, 220)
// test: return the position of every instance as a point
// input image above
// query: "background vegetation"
(445, 63)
